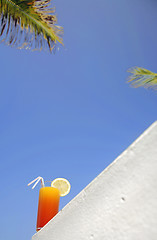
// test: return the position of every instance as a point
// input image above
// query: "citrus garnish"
(62, 185)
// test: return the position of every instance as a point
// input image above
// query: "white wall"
(120, 204)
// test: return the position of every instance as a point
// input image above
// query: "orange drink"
(48, 205)
(49, 199)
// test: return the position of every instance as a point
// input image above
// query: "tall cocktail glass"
(48, 205)
(49, 198)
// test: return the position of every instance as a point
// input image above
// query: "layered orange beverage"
(49, 198)
(48, 205)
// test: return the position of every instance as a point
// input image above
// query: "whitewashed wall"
(120, 204)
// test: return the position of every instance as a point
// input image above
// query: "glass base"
(37, 229)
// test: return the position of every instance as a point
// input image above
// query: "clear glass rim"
(47, 183)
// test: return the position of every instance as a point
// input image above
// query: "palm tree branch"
(141, 77)
(35, 17)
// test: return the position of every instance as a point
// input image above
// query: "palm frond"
(141, 77)
(29, 24)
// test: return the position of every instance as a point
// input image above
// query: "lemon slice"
(62, 185)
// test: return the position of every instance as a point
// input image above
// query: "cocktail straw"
(37, 180)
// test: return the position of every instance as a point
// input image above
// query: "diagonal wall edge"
(120, 203)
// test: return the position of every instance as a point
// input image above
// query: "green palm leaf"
(29, 24)
(141, 77)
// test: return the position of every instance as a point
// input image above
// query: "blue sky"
(71, 114)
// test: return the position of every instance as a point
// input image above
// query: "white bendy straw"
(37, 180)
